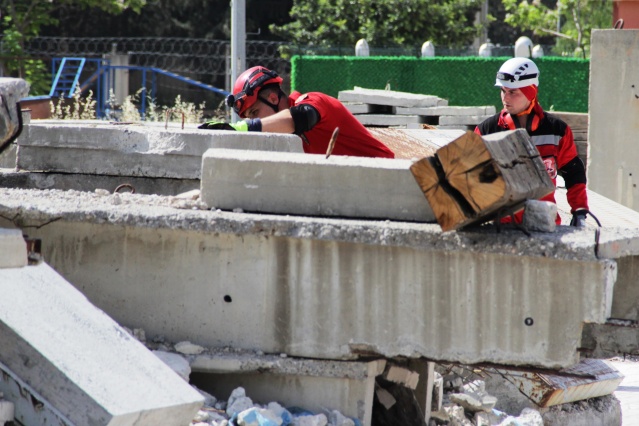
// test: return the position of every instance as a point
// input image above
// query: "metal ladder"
(67, 77)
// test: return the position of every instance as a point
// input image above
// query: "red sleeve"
(567, 149)
(577, 197)
(477, 130)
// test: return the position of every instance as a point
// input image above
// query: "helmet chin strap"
(276, 107)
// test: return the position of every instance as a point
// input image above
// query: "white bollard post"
(523, 47)
(537, 51)
(428, 49)
(486, 50)
(361, 48)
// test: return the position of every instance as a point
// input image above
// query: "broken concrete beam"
(390, 97)
(446, 110)
(13, 249)
(314, 384)
(312, 185)
(11, 91)
(81, 363)
(133, 150)
(474, 178)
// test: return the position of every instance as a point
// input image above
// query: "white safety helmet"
(516, 73)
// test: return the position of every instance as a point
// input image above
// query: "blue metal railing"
(104, 78)
(67, 76)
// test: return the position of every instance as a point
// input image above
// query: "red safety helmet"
(248, 85)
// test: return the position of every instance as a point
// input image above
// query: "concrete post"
(428, 49)
(486, 50)
(238, 41)
(121, 77)
(523, 47)
(361, 48)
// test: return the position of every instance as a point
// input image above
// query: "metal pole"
(238, 41)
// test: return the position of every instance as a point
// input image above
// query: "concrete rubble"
(273, 303)
(12, 90)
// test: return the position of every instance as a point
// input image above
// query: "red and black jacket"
(556, 145)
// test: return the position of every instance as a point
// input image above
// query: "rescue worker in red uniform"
(259, 99)
(518, 79)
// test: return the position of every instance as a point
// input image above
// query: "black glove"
(579, 218)
(221, 125)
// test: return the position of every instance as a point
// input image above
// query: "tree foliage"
(380, 22)
(207, 19)
(571, 21)
(24, 19)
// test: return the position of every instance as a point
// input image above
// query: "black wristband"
(254, 125)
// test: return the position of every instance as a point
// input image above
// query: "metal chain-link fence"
(203, 60)
(207, 61)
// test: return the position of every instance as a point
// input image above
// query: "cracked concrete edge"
(36, 208)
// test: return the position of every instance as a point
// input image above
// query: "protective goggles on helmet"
(251, 84)
(512, 78)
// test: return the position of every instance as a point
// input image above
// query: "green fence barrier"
(464, 81)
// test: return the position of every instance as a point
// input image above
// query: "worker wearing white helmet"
(518, 80)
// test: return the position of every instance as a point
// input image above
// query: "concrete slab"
(13, 249)
(89, 183)
(390, 97)
(312, 185)
(99, 367)
(358, 108)
(617, 241)
(132, 150)
(312, 384)
(376, 287)
(446, 110)
(613, 112)
(388, 119)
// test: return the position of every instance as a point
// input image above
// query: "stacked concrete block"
(386, 108)
(133, 150)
